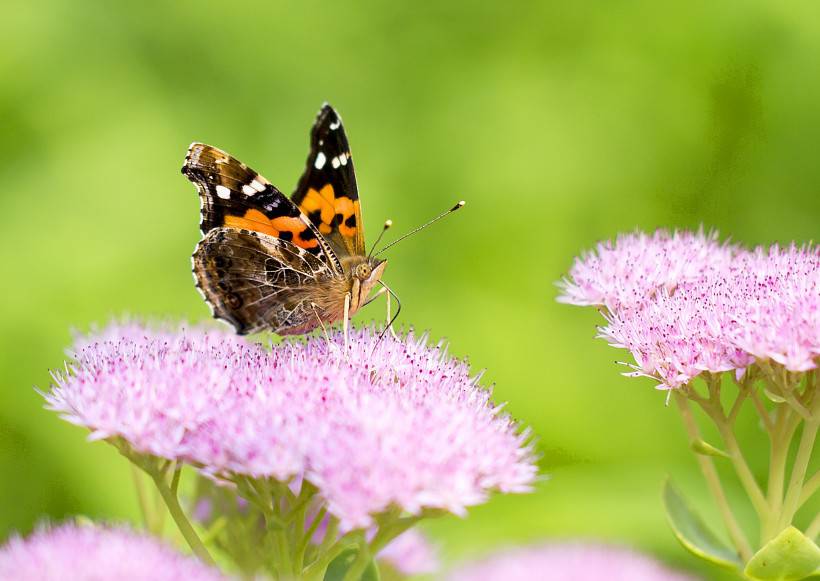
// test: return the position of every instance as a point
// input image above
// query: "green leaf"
(692, 532)
(339, 567)
(789, 556)
(706, 449)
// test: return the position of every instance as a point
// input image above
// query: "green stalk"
(316, 570)
(714, 410)
(762, 412)
(811, 486)
(801, 464)
(175, 478)
(777, 455)
(814, 528)
(360, 563)
(284, 550)
(710, 474)
(331, 532)
(779, 443)
(182, 522)
(299, 559)
(214, 530)
(147, 517)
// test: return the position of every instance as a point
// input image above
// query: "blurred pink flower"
(95, 553)
(722, 310)
(393, 424)
(567, 562)
(411, 554)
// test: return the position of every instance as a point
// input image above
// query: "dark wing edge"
(327, 192)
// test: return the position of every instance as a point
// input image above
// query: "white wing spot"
(320, 160)
(257, 185)
(335, 162)
(248, 190)
(335, 125)
(343, 159)
(223, 192)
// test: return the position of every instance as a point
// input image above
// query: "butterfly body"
(267, 262)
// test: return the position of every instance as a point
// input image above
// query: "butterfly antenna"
(422, 227)
(387, 225)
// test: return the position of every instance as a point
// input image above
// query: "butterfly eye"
(363, 271)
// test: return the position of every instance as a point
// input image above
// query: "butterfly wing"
(261, 265)
(327, 193)
(257, 282)
(233, 195)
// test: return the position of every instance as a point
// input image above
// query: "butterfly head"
(366, 274)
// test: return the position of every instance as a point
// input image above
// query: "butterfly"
(269, 263)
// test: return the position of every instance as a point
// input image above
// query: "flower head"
(689, 305)
(387, 424)
(567, 562)
(632, 269)
(92, 553)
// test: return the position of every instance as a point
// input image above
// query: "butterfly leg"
(346, 322)
(389, 319)
(321, 323)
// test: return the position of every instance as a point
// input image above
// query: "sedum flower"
(630, 270)
(93, 553)
(567, 562)
(688, 304)
(779, 292)
(389, 424)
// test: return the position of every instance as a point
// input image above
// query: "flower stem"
(331, 531)
(762, 412)
(814, 528)
(360, 563)
(710, 474)
(779, 443)
(391, 531)
(316, 570)
(284, 550)
(147, 517)
(299, 560)
(182, 522)
(811, 486)
(801, 463)
(714, 410)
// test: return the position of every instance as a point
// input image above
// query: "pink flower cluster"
(94, 553)
(390, 423)
(567, 562)
(632, 269)
(683, 303)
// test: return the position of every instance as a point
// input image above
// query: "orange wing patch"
(348, 209)
(324, 202)
(333, 212)
(284, 227)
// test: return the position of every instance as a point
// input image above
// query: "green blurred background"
(561, 123)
